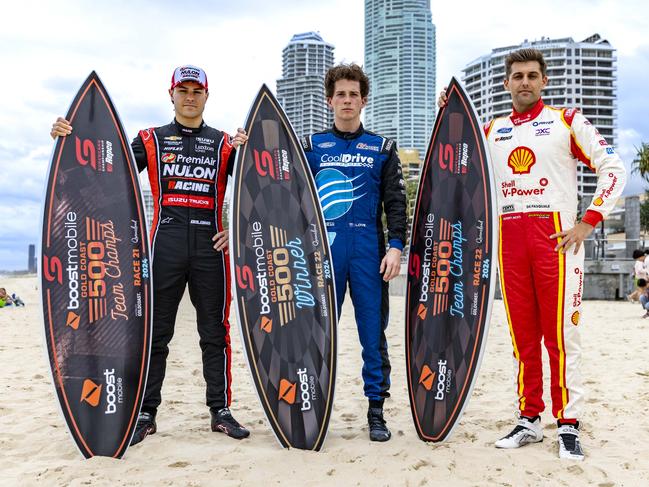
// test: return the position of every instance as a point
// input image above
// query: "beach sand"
(37, 450)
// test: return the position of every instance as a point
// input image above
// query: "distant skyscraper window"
(305, 60)
(401, 64)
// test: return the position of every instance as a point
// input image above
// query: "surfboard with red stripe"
(450, 285)
(283, 278)
(95, 277)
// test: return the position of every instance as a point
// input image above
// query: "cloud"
(49, 48)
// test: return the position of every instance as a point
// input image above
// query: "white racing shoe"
(524, 432)
(569, 445)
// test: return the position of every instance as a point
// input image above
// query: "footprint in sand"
(575, 469)
(349, 417)
(420, 463)
(179, 464)
(349, 435)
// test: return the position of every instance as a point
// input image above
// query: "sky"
(47, 49)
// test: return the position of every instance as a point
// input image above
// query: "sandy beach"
(37, 450)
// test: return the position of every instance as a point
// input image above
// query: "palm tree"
(641, 162)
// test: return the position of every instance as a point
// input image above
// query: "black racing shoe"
(145, 426)
(223, 421)
(378, 430)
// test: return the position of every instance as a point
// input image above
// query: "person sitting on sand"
(6, 300)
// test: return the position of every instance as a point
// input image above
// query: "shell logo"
(521, 160)
(575, 318)
(598, 201)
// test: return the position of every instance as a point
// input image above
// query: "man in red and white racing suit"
(535, 156)
(535, 153)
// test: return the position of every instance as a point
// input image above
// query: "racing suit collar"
(531, 114)
(189, 130)
(348, 135)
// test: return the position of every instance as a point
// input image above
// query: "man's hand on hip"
(575, 235)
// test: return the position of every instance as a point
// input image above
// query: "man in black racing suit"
(188, 164)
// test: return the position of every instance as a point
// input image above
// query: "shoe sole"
(519, 446)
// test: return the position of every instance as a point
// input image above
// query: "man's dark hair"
(523, 56)
(637, 253)
(641, 282)
(351, 72)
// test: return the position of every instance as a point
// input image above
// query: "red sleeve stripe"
(578, 152)
(222, 178)
(148, 138)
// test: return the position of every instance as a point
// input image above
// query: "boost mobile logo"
(427, 377)
(287, 391)
(90, 393)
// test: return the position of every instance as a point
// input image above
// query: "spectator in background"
(644, 296)
(639, 272)
(6, 300)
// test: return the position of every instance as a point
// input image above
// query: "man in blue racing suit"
(358, 175)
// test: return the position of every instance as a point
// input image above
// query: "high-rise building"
(580, 74)
(147, 199)
(400, 62)
(305, 61)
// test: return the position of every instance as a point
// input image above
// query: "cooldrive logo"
(282, 273)
(454, 157)
(99, 154)
(346, 160)
(276, 165)
(441, 268)
(521, 160)
(337, 192)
